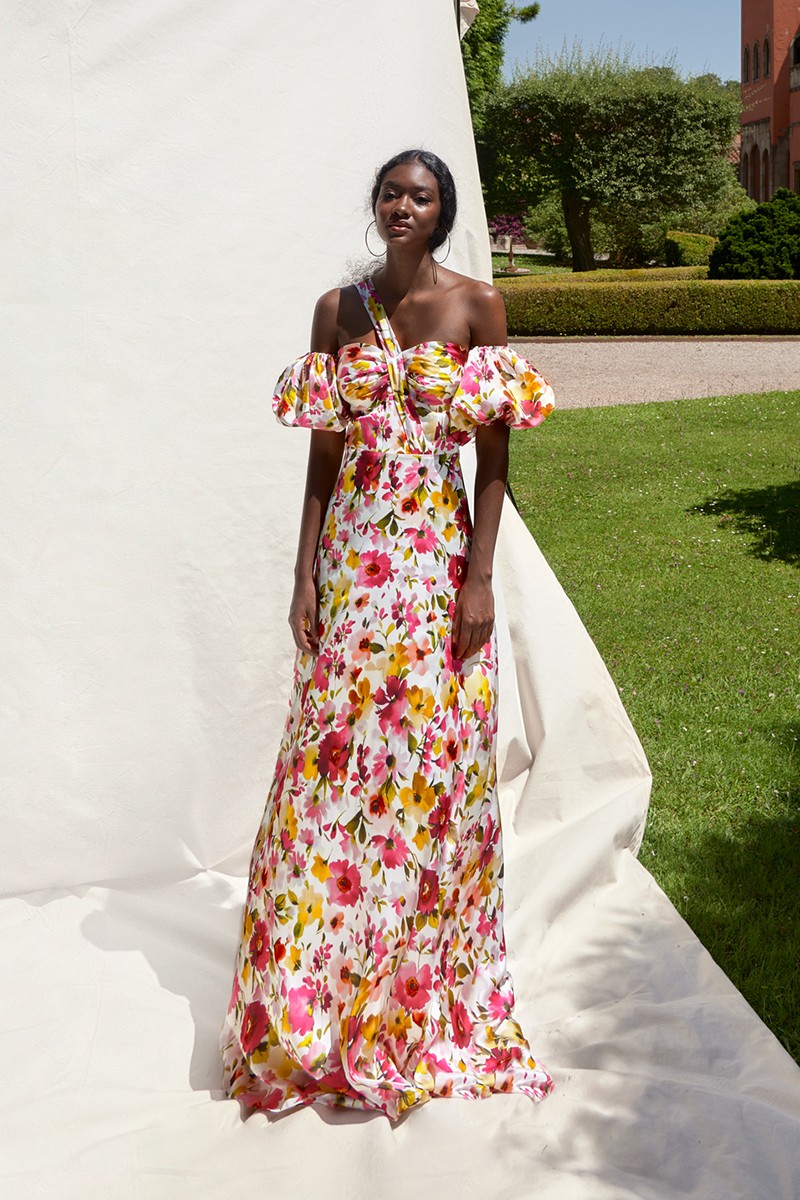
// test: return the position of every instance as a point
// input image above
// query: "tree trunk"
(579, 230)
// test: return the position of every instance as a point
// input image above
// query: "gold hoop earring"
(441, 260)
(381, 253)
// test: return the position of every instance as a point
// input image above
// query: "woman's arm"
(324, 459)
(474, 615)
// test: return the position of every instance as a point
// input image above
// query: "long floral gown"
(371, 971)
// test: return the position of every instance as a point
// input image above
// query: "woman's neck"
(404, 272)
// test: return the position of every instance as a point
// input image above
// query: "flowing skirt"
(371, 970)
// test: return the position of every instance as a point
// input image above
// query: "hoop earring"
(441, 260)
(366, 242)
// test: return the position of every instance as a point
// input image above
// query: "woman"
(371, 971)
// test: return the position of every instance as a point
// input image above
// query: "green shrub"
(761, 244)
(623, 274)
(683, 249)
(684, 306)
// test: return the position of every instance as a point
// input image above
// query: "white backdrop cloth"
(181, 181)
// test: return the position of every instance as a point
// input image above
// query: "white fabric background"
(181, 182)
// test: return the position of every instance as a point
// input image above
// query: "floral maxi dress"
(371, 970)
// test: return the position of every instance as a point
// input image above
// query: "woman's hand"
(473, 619)
(304, 615)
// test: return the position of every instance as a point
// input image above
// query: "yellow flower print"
(320, 870)
(309, 906)
(419, 798)
(311, 762)
(397, 658)
(421, 705)
(445, 501)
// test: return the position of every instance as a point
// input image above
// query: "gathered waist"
(390, 452)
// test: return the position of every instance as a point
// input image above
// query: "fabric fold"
(306, 394)
(498, 384)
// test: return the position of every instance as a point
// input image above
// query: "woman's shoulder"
(477, 296)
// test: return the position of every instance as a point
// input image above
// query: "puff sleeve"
(497, 384)
(306, 394)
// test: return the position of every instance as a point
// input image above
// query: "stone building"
(770, 154)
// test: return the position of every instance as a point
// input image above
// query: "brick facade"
(770, 64)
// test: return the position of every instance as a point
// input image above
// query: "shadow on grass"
(769, 515)
(748, 913)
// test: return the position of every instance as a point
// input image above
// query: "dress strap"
(383, 333)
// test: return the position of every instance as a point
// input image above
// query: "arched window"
(756, 70)
(746, 65)
(796, 51)
(755, 175)
(765, 59)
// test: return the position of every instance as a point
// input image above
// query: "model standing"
(371, 970)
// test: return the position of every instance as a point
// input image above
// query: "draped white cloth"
(181, 182)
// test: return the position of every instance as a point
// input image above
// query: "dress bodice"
(429, 397)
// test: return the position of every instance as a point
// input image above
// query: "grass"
(536, 266)
(675, 530)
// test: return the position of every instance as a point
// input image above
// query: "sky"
(704, 34)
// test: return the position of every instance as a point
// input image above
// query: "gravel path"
(594, 372)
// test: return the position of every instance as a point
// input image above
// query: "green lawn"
(675, 530)
(537, 266)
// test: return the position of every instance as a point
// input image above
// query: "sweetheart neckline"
(408, 350)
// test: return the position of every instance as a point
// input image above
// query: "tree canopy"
(605, 133)
(482, 51)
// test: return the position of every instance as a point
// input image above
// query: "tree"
(606, 134)
(482, 51)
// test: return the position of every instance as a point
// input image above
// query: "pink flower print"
(491, 835)
(368, 471)
(255, 1024)
(393, 850)
(500, 1007)
(424, 539)
(428, 891)
(334, 753)
(462, 1026)
(360, 645)
(470, 381)
(259, 946)
(439, 820)
(374, 569)
(301, 1008)
(503, 1057)
(484, 926)
(457, 570)
(412, 986)
(344, 884)
(390, 700)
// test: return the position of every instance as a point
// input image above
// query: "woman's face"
(408, 207)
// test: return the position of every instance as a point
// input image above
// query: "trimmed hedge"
(687, 249)
(620, 275)
(687, 306)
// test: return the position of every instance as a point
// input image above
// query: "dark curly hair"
(447, 189)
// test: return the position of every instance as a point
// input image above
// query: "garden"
(674, 528)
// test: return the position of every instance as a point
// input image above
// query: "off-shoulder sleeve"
(306, 394)
(497, 384)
